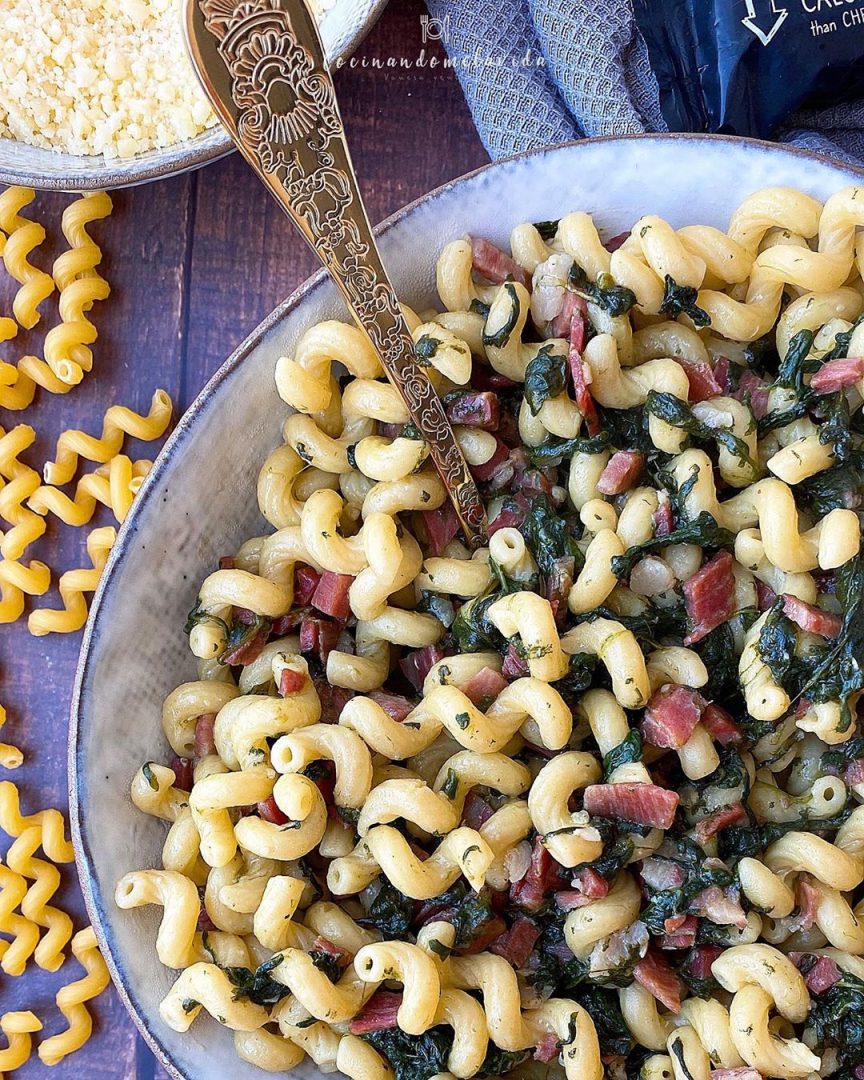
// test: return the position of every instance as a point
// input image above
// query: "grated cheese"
(97, 76)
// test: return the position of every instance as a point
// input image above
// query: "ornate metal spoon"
(262, 65)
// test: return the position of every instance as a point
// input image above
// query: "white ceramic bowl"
(198, 503)
(343, 27)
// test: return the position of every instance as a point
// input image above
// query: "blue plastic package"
(744, 66)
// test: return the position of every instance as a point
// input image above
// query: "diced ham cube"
(671, 716)
(645, 804)
(591, 883)
(511, 515)
(702, 380)
(484, 687)
(807, 898)
(441, 526)
(331, 595)
(248, 651)
(378, 1014)
(719, 906)
(486, 471)
(699, 961)
(483, 937)
(838, 374)
(663, 518)
(581, 377)
(416, 665)
(709, 826)
(491, 263)
(306, 580)
(679, 932)
(662, 874)
(765, 596)
(396, 706)
(182, 769)
(544, 875)
(570, 899)
(709, 596)
(476, 811)
(474, 408)
(269, 811)
(291, 682)
(204, 734)
(822, 975)
(574, 309)
(615, 242)
(318, 637)
(811, 618)
(547, 1048)
(324, 945)
(621, 473)
(333, 700)
(720, 726)
(752, 386)
(654, 973)
(517, 943)
(514, 666)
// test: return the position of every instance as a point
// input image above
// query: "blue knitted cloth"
(536, 72)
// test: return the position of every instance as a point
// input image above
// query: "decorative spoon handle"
(262, 65)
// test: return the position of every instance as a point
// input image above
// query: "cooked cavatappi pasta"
(591, 795)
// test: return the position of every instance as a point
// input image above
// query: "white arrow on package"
(778, 15)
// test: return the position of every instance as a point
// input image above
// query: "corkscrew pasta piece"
(18, 580)
(178, 897)
(10, 756)
(72, 1000)
(35, 903)
(73, 585)
(18, 1027)
(18, 382)
(19, 482)
(22, 237)
(114, 485)
(51, 822)
(14, 954)
(207, 986)
(118, 422)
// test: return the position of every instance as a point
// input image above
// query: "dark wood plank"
(195, 263)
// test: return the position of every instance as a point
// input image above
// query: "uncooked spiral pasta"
(590, 795)
(73, 585)
(21, 238)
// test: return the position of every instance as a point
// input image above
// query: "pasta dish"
(593, 795)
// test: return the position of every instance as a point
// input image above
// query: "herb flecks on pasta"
(593, 792)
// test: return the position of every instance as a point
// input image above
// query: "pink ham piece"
(378, 1014)
(700, 376)
(581, 377)
(822, 975)
(441, 526)
(333, 700)
(646, 804)
(807, 899)
(709, 826)
(765, 596)
(720, 725)
(484, 687)
(662, 874)
(574, 309)
(671, 715)
(855, 773)
(544, 875)
(480, 409)
(514, 666)
(680, 932)
(396, 706)
(570, 899)
(547, 1049)
(182, 769)
(592, 884)
(331, 595)
(511, 515)
(417, 664)
(664, 519)
(290, 682)
(269, 811)
(305, 583)
(709, 596)
(811, 618)
(319, 636)
(204, 743)
(654, 973)
(838, 374)
(719, 907)
(517, 943)
(621, 473)
(476, 811)
(487, 471)
(698, 963)
(491, 263)
(750, 385)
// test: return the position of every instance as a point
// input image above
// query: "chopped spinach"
(545, 378)
(257, 986)
(554, 450)
(472, 631)
(391, 912)
(837, 1019)
(612, 298)
(547, 229)
(550, 536)
(629, 749)
(603, 1008)
(679, 414)
(794, 364)
(500, 338)
(681, 300)
(437, 605)
(477, 307)
(413, 1057)
(326, 963)
(667, 903)
(499, 1063)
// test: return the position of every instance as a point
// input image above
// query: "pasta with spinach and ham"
(594, 794)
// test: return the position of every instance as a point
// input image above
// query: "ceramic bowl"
(343, 27)
(199, 503)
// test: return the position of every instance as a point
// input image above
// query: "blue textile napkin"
(536, 72)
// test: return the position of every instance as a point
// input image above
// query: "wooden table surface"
(194, 263)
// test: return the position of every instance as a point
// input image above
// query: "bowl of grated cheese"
(101, 94)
